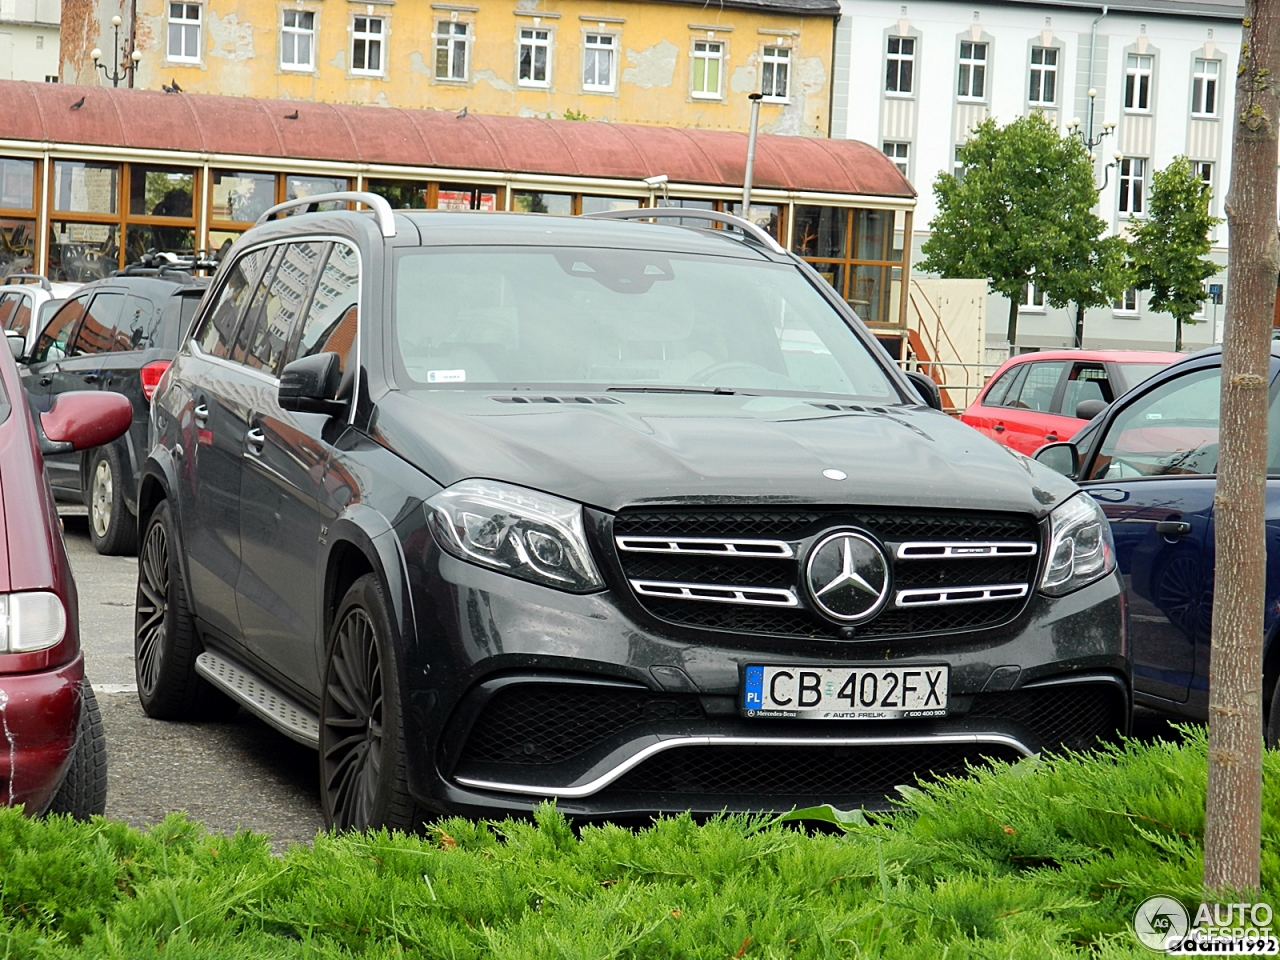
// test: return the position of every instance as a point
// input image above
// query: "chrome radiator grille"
(742, 570)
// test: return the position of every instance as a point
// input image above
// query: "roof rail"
(670, 213)
(25, 278)
(381, 209)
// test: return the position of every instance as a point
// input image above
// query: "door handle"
(1051, 437)
(45, 381)
(254, 440)
(998, 428)
(90, 377)
(1173, 528)
(201, 413)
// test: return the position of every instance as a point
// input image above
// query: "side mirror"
(84, 418)
(926, 387)
(1062, 457)
(310, 385)
(1088, 409)
(17, 343)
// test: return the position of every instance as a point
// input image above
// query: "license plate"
(845, 693)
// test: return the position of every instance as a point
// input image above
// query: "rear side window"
(179, 311)
(1088, 381)
(278, 314)
(137, 327)
(99, 327)
(52, 344)
(1038, 387)
(8, 303)
(19, 318)
(240, 351)
(330, 326)
(1006, 389)
(222, 320)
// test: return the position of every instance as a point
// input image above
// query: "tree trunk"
(1177, 335)
(1233, 836)
(1079, 326)
(1013, 326)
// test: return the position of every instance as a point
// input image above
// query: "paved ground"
(236, 775)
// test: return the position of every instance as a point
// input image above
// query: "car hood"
(692, 448)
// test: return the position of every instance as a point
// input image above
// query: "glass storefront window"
(241, 196)
(453, 196)
(821, 231)
(558, 203)
(17, 246)
(160, 191)
(833, 273)
(601, 204)
(81, 186)
(766, 216)
(307, 186)
(17, 184)
(401, 194)
(141, 238)
(873, 234)
(220, 242)
(81, 252)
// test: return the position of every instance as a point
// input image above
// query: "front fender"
(365, 529)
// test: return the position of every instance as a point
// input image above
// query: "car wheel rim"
(152, 605)
(353, 723)
(100, 498)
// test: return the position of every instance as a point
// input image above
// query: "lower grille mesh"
(1074, 717)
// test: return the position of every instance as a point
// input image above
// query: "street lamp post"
(1091, 143)
(124, 67)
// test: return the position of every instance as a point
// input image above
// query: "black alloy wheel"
(362, 765)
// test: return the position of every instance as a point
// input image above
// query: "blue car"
(1150, 459)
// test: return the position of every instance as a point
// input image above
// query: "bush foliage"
(1044, 859)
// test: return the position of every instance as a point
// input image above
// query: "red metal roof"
(141, 119)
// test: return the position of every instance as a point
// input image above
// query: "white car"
(27, 301)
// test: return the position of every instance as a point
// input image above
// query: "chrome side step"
(293, 720)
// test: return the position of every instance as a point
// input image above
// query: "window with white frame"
(957, 165)
(451, 49)
(1133, 182)
(1127, 302)
(535, 57)
(1204, 170)
(897, 152)
(367, 34)
(973, 71)
(598, 60)
(184, 32)
(298, 40)
(1033, 299)
(900, 66)
(1137, 82)
(708, 56)
(1044, 75)
(1204, 89)
(775, 74)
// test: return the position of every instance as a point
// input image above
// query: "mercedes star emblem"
(848, 576)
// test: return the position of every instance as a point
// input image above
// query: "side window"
(221, 320)
(175, 319)
(1088, 381)
(282, 304)
(8, 303)
(240, 351)
(21, 318)
(99, 327)
(137, 325)
(52, 344)
(996, 395)
(330, 325)
(1170, 431)
(1038, 386)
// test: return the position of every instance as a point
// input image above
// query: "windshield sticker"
(446, 376)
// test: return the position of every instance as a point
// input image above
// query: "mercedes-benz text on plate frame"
(845, 693)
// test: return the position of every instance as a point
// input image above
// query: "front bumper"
(39, 717)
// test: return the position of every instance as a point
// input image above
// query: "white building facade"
(916, 77)
(29, 32)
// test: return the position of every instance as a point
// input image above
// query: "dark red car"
(1036, 398)
(53, 754)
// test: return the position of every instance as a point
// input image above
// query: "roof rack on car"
(671, 213)
(159, 263)
(381, 209)
(25, 278)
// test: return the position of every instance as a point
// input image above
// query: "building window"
(366, 45)
(1204, 89)
(707, 57)
(184, 32)
(901, 65)
(957, 164)
(1044, 75)
(897, 152)
(1033, 299)
(298, 40)
(451, 50)
(598, 61)
(1127, 302)
(1137, 82)
(1133, 176)
(1204, 170)
(535, 57)
(973, 70)
(775, 73)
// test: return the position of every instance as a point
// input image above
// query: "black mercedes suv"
(634, 516)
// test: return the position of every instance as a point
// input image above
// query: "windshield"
(626, 319)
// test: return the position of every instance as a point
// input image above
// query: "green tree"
(1170, 247)
(1022, 211)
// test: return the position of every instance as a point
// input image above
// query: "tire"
(165, 642)
(83, 793)
(363, 784)
(112, 528)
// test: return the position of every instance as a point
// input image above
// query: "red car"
(53, 754)
(1038, 398)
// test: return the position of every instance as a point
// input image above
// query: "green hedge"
(1043, 859)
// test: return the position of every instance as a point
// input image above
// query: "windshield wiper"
(710, 391)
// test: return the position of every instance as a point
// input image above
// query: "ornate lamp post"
(124, 67)
(1091, 142)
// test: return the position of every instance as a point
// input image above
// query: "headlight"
(520, 532)
(31, 621)
(1080, 546)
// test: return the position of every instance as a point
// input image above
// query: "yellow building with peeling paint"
(624, 61)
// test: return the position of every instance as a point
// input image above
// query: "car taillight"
(151, 374)
(31, 621)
